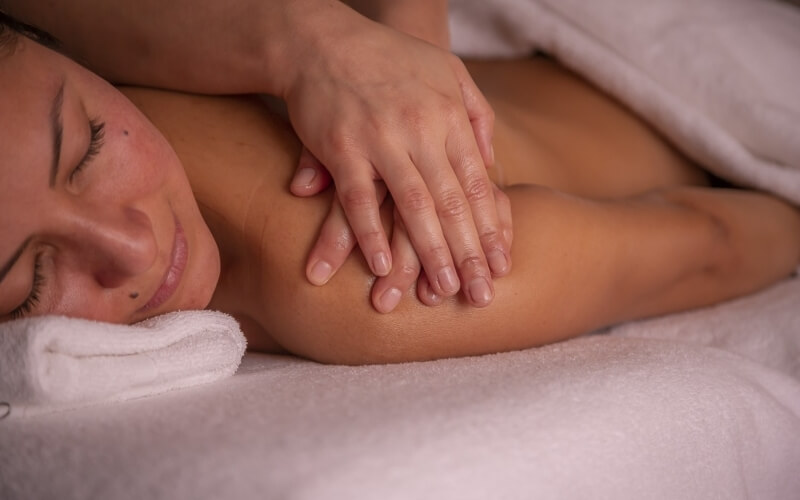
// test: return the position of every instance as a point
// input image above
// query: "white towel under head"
(52, 362)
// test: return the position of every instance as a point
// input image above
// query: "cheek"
(136, 165)
(83, 299)
(145, 159)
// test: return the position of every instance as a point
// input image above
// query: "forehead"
(30, 76)
(29, 81)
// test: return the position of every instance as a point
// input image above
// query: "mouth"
(172, 278)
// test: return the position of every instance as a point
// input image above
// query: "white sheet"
(716, 77)
(599, 417)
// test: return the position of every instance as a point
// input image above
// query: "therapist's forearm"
(206, 46)
(424, 19)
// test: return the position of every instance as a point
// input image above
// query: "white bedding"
(597, 417)
(717, 77)
(702, 405)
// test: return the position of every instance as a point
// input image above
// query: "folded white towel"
(52, 362)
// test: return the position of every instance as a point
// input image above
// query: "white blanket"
(717, 77)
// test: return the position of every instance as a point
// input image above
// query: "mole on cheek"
(125, 132)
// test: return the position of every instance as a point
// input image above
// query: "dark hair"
(10, 29)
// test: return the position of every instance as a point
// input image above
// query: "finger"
(334, 243)
(358, 198)
(479, 112)
(458, 220)
(425, 293)
(503, 204)
(479, 191)
(388, 290)
(419, 213)
(310, 177)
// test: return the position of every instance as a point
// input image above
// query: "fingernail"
(498, 262)
(390, 299)
(304, 178)
(320, 273)
(448, 281)
(480, 291)
(380, 264)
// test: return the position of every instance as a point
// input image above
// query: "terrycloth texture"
(719, 78)
(764, 327)
(598, 417)
(50, 363)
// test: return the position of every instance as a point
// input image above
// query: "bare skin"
(610, 224)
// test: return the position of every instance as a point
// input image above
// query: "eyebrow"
(13, 260)
(57, 127)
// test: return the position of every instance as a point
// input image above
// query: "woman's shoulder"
(194, 117)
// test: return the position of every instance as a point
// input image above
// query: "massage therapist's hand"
(372, 103)
(337, 238)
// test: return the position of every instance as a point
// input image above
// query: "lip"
(173, 275)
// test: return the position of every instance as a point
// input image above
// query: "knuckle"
(342, 242)
(356, 199)
(416, 199)
(452, 206)
(412, 117)
(436, 256)
(477, 189)
(472, 264)
(338, 142)
(370, 236)
(451, 110)
(408, 272)
(491, 237)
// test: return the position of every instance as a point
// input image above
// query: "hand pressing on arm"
(429, 129)
(387, 291)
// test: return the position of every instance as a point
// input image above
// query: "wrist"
(309, 31)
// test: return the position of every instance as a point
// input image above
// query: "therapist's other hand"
(375, 104)
(336, 240)
(388, 290)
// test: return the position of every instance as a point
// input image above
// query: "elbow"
(353, 336)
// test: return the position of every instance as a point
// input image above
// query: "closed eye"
(96, 135)
(35, 294)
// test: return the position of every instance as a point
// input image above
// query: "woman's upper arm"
(580, 265)
(571, 259)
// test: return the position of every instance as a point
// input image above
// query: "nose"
(112, 243)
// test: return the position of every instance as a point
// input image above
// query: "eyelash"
(96, 134)
(36, 290)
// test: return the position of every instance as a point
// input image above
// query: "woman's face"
(97, 218)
